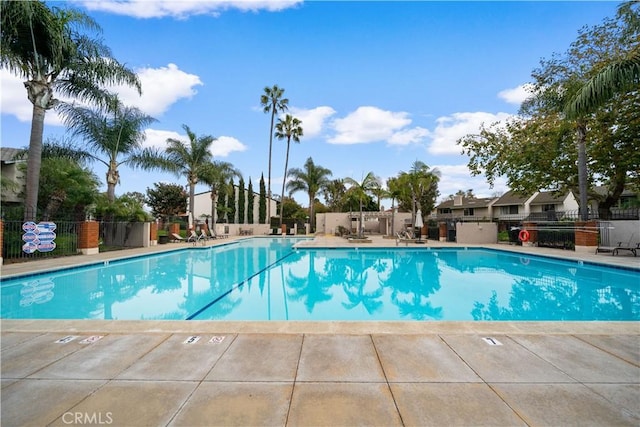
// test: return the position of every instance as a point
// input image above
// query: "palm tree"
(45, 47)
(619, 76)
(114, 131)
(189, 159)
(312, 179)
(217, 174)
(360, 190)
(289, 128)
(272, 101)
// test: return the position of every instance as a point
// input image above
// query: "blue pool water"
(268, 279)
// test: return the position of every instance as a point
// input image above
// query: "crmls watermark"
(87, 418)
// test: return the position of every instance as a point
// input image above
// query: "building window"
(509, 210)
(445, 210)
(548, 208)
(468, 212)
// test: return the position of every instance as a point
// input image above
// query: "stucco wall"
(477, 232)
(622, 231)
(329, 222)
(202, 205)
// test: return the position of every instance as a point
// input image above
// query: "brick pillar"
(443, 232)
(586, 236)
(88, 237)
(174, 228)
(531, 227)
(1, 239)
(153, 234)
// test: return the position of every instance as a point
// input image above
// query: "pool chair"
(203, 236)
(212, 234)
(177, 238)
(193, 237)
(622, 246)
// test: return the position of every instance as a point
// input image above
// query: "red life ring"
(523, 236)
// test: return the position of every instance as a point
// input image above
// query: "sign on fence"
(38, 237)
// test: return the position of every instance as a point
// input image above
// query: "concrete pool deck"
(319, 373)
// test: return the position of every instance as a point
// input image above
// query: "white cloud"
(221, 147)
(161, 88)
(184, 8)
(516, 95)
(225, 145)
(371, 124)
(313, 120)
(451, 128)
(408, 136)
(14, 101)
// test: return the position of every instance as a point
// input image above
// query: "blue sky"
(377, 85)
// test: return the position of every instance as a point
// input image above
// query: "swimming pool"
(268, 279)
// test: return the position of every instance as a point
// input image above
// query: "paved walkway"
(132, 373)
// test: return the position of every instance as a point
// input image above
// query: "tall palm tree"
(288, 128)
(44, 46)
(360, 190)
(217, 174)
(272, 101)
(189, 159)
(312, 179)
(115, 131)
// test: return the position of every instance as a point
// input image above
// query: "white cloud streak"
(182, 9)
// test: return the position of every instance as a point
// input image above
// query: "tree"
(189, 159)
(166, 200)
(262, 202)
(48, 48)
(250, 202)
(360, 190)
(422, 186)
(312, 179)
(272, 101)
(241, 202)
(67, 186)
(115, 131)
(127, 208)
(334, 194)
(231, 202)
(621, 75)
(543, 148)
(288, 128)
(216, 174)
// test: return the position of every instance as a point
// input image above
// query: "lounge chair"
(193, 237)
(177, 238)
(622, 246)
(212, 234)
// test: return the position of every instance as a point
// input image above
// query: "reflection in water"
(266, 279)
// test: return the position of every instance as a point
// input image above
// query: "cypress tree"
(250, 203)
(241, 201)
(262, 207)
(231, 202)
